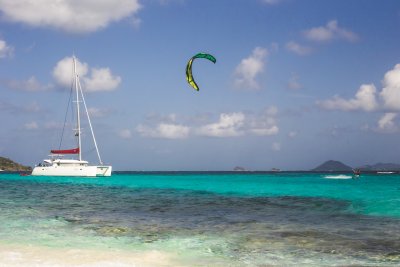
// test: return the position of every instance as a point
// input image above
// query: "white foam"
(339, 176)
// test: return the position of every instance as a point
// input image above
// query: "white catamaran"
(56, 165)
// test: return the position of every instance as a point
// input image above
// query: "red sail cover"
(66, 151)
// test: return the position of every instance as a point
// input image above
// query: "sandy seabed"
(55, 257)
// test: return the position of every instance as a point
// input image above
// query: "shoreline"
(35, 255)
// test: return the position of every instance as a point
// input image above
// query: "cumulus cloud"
(364, 100)
(233, 124)
(29, 85)
(298, 49)
(264, 131)
(330, 32)
(62, 72)
(391, 89)
(164, 130)
(101, 80)
(249, 68)
(97, 79)
(5, 50)
(386, 122)
(263, 124)
(68, 15)
(229, 125)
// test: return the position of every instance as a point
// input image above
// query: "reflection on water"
(231, 230)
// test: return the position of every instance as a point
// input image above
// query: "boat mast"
(76, 77)
(90, 123)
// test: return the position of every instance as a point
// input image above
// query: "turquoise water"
(211, 219)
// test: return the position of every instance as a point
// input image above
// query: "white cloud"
(31, 125)
(5, 50)
(329, 32)
(239, 124)
(99, 79)
(391, 89)
(298, 49)
(125, 134)
(364, 100)
(265, 131)
(233, 124)
(164, 130)
(264, 124)
(249, 68)
(68, 15)
(386, 123)
(292, 134)
(229, 125)
(30, 85)
(62, 72)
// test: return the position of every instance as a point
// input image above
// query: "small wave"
(340, 176)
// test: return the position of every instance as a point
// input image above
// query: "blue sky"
(296, 83)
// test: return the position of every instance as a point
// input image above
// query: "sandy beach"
(43, 256)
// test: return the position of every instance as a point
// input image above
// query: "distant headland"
(332, 165)
(335, 166)
(7, 164)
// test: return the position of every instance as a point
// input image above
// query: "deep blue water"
(237, 219)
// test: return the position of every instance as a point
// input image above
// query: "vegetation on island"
(7, 164)
(332, 165)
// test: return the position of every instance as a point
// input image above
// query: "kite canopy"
(189, 76)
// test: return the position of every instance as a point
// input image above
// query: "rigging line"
(65, 118)
(90, 124)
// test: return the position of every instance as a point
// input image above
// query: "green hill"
(332, 165)
(7, 164)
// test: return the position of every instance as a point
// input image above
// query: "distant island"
(7, 164)
(335, 166)
(381, 167)
(332, 165)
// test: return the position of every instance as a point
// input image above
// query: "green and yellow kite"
(189, 76)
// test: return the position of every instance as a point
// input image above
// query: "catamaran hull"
(81, 171)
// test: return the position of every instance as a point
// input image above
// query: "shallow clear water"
(211, 219)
